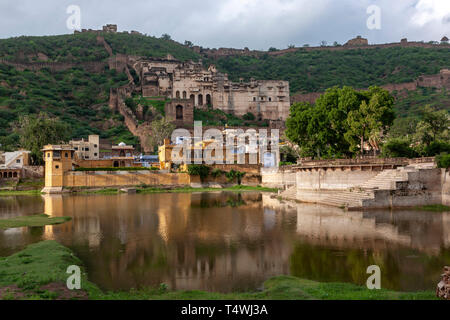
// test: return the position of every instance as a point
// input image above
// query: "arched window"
(184, 95)
(200, 99)
(15, 174)
(178, 95)
(179, 112)
(208, 100)
(10, 174)
(192, 97)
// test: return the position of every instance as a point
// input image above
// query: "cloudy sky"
(257, 24)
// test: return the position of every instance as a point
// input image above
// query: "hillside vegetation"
(80, 98)
(315, 71)
(84, 47)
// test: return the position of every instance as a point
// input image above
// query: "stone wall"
(282, 179)
(103, 179)
(334, 178)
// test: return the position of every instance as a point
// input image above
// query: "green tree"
(371, 120)
(166, 36)
(36, 131)
(435, 123)
(160, 129)
(340, 121)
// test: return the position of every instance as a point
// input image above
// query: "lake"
(226, 241)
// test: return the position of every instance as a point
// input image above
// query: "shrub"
(249, 116)
(217, 173)
(233, 174)
(199, 170)
(436, 148)
(398, 148)
(443, 161)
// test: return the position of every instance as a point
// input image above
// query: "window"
(95, 154)
(56, 167)
(76, 148)
(66, 155)
(270, 98)
(254, 98)
(18, 161)
(48, 155)
(95, 146)
(86, 149)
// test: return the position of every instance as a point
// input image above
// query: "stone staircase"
(365, 194)
(289, 194)
(352, 198)
(387, 179)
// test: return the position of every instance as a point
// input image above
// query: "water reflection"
(226, 241)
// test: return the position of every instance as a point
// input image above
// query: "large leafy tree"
(340, 122)
(160, 129)
(36, 131)
(370, 121)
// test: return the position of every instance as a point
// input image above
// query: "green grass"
(434, 207)
(190, 189)
(20, 193)
(39, 220)
(46, 262)
(109, 191)
(38, 265)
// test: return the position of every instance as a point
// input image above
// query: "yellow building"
(58, 160)
(87, 150)
(165, 153)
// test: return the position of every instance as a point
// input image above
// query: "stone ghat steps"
(347, 198)
(290, 193)
(387, 180)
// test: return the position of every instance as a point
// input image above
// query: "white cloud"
(431, 11)
(257, 24)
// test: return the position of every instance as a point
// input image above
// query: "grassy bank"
(433, 208)
(190, 189)
(5, 193)
(39, 272)
(147, 190)
(39, 220)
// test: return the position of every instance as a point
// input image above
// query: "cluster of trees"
(341, 122)
(426, 136)
(346, 122)
(36, 131)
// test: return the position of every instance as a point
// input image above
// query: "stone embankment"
(364, 186)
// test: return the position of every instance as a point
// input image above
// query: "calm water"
(231, 242)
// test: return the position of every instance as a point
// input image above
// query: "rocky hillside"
(68, 75)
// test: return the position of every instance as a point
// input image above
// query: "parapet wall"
(103, 179)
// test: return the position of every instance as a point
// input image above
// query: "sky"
(256, 24)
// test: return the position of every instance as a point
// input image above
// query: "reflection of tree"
(350, 265)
